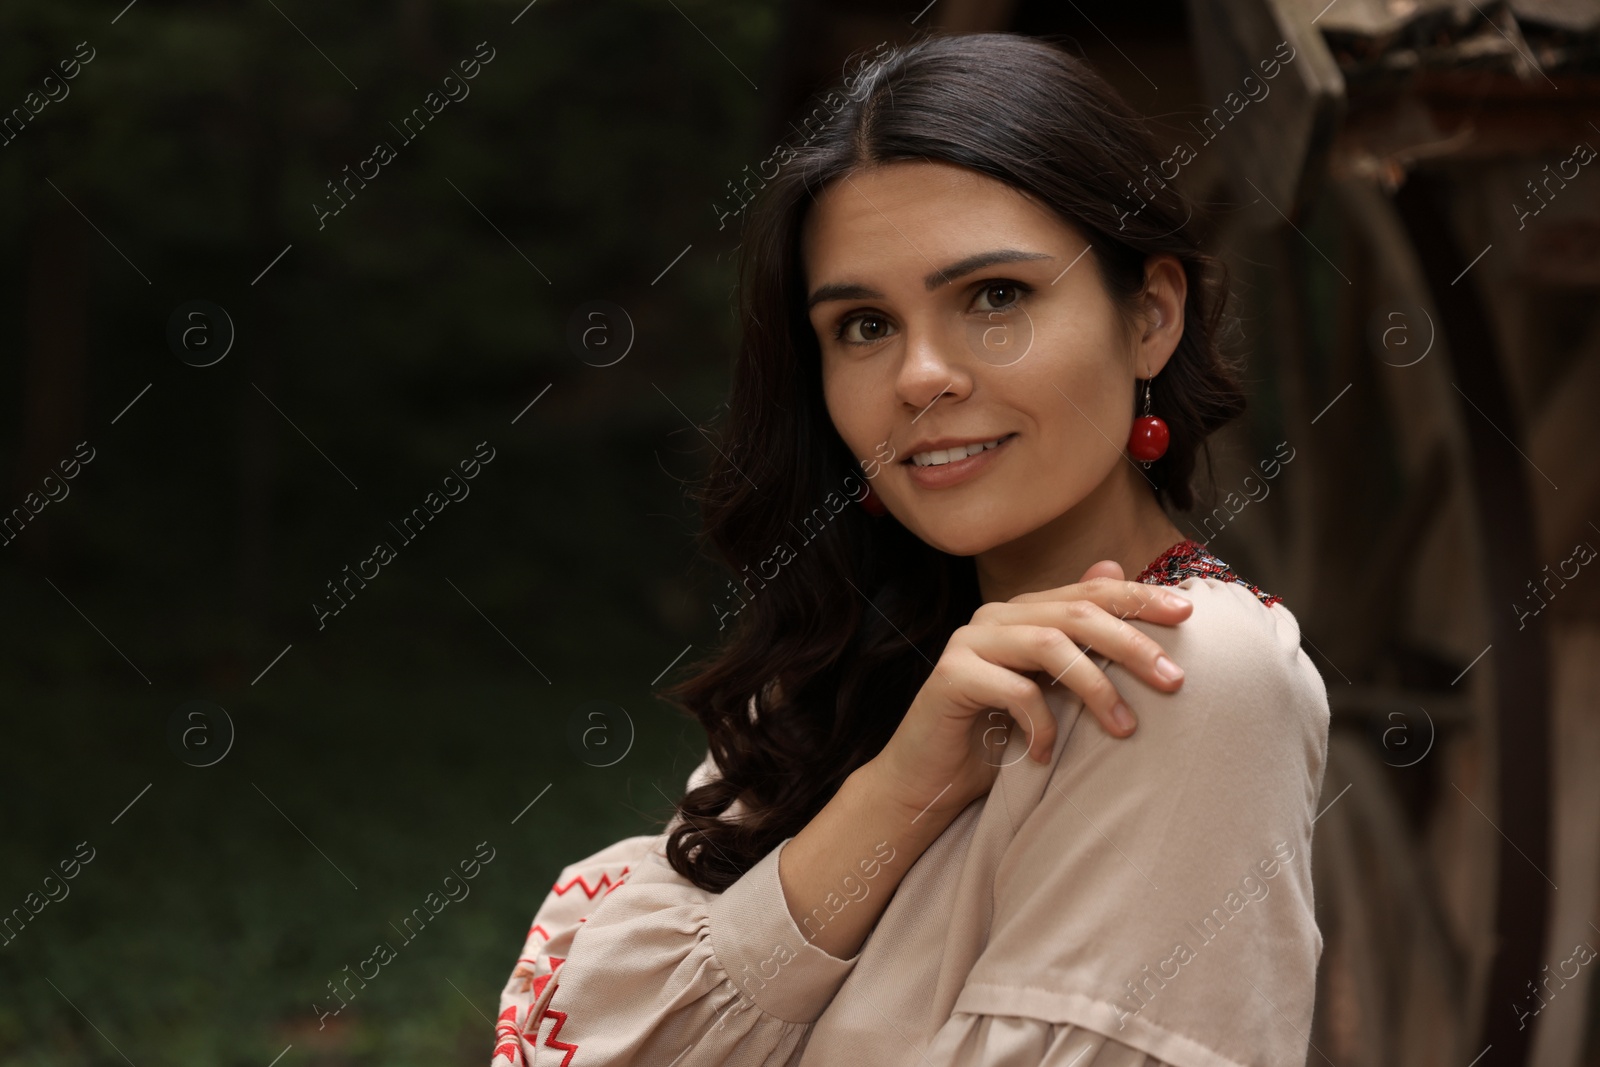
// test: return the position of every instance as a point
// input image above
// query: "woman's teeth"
(950, 455)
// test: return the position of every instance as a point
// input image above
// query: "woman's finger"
(1089, 624)
(986, 684)
(1128, 600)
(1047, 649)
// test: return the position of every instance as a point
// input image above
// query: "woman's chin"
(965, 537)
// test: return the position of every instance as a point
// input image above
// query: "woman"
(906, 845)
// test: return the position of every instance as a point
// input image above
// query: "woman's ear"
(1166, 288)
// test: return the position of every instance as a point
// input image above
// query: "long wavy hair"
(842, 615)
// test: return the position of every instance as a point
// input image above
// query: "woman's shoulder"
(1191, 559)
(1232, 610)
(1239, 640)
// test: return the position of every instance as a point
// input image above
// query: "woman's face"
(1017, 340)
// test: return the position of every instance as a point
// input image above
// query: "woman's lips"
(948, 474)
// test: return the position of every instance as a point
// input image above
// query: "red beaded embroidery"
(1189, 559)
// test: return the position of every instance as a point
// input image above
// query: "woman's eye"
(1001, 295)
(867, 327)
(872, 328)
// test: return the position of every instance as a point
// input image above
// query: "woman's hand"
(946, 751)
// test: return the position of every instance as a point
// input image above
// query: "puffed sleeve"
(576, 893)
(1159, 893)
(661, 971)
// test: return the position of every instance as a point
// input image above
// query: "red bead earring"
(873, 504)
(1148, 440)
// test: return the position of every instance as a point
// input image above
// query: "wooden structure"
(1415, 229)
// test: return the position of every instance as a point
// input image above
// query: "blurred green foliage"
(378, 350)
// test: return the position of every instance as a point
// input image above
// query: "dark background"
(267, 798)
(376, 353)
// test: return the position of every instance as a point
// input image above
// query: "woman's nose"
(935, 363)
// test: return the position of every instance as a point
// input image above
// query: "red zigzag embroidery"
(604, 883)
(504, 1029)
(560, 1046)
(540, 981)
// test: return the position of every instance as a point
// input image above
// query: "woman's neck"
(1121, 520)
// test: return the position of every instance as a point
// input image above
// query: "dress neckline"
(1191, 559)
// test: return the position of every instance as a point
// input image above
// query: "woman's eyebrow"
(855, 291)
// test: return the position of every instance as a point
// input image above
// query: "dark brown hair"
(830, 673)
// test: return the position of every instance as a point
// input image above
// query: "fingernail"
(1168, 669)
(1122, 716)
(1173, 600)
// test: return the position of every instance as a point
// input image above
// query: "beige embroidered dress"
(1132, 903)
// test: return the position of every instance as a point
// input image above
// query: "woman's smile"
(943, 475)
